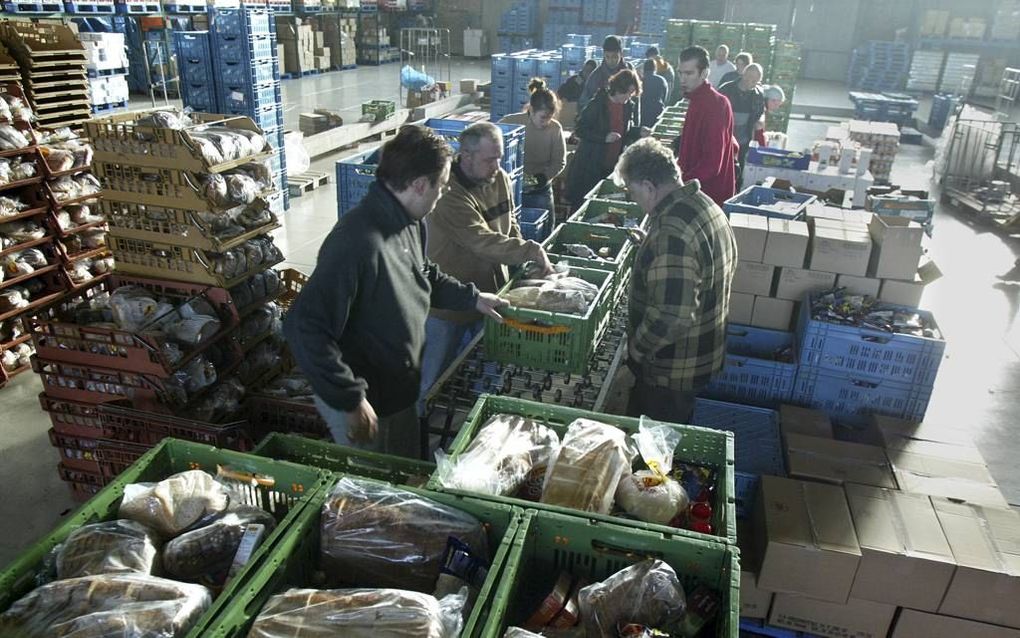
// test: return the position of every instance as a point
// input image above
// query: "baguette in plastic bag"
(109, 547)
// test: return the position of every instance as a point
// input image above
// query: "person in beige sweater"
(545, 151)
(473, 236)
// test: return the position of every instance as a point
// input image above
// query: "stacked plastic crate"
(760, 42)
(652, 16)
(197, 73)
(678, 38)
(879, 66)
(107, 69)
(958, 76)
(518, 26)
(168, 344)
(705, 33)
(732, 35)
(576, 53)
(600, 12)
(925, 69)
(784, 72)
(502, 85)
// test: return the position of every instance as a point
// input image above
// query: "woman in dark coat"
(610, 122)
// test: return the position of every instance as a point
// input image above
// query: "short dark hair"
(699, 54)
(416, 151)
(744, 57)
(652, 52)
(649, 66)
(612, 44)
(623, 81)
(590, 64)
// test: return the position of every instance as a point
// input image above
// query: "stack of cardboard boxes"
(781, 261)
(846, 548)
(301, 47)
(340, 34)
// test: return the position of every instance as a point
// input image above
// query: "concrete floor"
(976, 391)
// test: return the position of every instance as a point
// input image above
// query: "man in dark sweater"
(654, 93)
(748, 102)
(358, 327)
(612, 63)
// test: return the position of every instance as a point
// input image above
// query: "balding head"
(752, 76)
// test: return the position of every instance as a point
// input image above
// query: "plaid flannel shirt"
(680, 292)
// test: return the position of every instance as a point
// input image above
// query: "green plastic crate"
(550, 543)
(295, 561)
(338, 458)
(593, 209)
(618, 240)
(607, 189)
(379, 109)
(698, 445)
(732, 35)
(551, 340)
(296, 487)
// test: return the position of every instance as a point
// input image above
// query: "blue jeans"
(444, 340)
(399, 434)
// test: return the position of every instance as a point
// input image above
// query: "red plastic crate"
(116, 456)
(124, 424)
(72, 417)
(274, 414)
(84, 384)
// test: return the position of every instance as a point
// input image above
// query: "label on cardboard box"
(794, 419)
(795, 283)
(838, 462)
(840, 251)
(774, 314)
(753, 278)
(787, 243)
(859, 285)
(741, 308)
(750, 231)
(857, 618)
(918, 624)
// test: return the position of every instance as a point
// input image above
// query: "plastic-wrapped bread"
(358, 613)
(110, 547)
(205, 554)
(174, 504)
(648, 593)
(592, 459)
(107, 606)
(377, 535)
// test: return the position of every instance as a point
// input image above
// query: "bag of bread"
(651, 495)
(648, 593)
(107, 606)
(592, 459)
(506, 452)
(175, 504)
(205, 554)
(110, 547)
(377, 535)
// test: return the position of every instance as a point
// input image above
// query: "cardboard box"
(775, 314)
(751, 232)
(754, 602)
(469, 86)
(951, 463)
(905, 558)
(805, 539)
(918, 624)
(795, 283)
(741, 308)
(909, 293)
(896, 247)
(840, 250)
(859, 285)
(312, 123)
(837, 462)
(986, 544)
(292, 57)
(787, 243)
(753, 278)
(794, 419)
(320, 39)
(857, 618)
(940, 477)
(893, 433)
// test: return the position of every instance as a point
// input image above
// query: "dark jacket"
(358, 327)
(599, 79)
(654, 93)
(570, 91)
(590, 164)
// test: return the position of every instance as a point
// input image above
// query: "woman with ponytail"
(544, 149)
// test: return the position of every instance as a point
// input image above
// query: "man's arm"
(674, 283)
(449, 293)
(465, 225)
(590, 86)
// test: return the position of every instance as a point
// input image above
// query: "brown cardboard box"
(892, 432)
(909, 293)
(319, 51)
(774, 314)
(986, 545)
(805, 538)
(751, 232)
(322, 62)
(312, 123)
(859, 285)
(975, 492)
(838, 462)
(905, 558)
(917, 624)
(794, 283)
(952, 474)
(787, 243)
(896, 247)
(754, 602)
(843, 251)
(292, 57)
(753, 278)
(741, 308)
(857, 618)
(287, 28)
(794, 419)
(469, 86)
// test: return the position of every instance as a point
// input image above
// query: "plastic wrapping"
(223, 403)
(651, 495)
(132, 307)
(592, 459)
(13, 298)
(205, 554)
(107, 606)
(109, 547)
(382, 536)
(556, 293)
(11, 138)
(647, 593)
(176, 503)
(192, 330)
(358, 613)
(505, 453)
(298, 160)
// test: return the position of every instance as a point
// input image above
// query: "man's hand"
(487, 304)
(613, 136)
(362, 423)
(542, 259)
(645, 131)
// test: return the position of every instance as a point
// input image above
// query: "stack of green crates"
(784, 73)
(705, 33)
(732, 35)
(678, 38)
(379, 109)
(759, 41)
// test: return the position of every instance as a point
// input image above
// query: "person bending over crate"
(679, 286)
(357, 328)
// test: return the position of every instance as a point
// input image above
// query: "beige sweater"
(544, 149)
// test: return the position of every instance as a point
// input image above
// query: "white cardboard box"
(787, 243)
(775, 314)
(750, 231)
(896, 248)
(741, 308)
(841, 251)
(753, 278)
(794, 283)
(859, 285)
(909, 293)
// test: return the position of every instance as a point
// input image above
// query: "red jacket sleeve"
(702, 154)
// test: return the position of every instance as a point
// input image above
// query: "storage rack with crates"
(652, 16)
(760, 41)
(925, 70)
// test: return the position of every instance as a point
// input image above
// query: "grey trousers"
(398, 433)
(661, 404)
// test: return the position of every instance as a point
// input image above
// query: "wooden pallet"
(306, 182)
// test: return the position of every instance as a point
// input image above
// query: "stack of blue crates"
(637, 49)
(943, 105)
(195, 66)
(652, 16)
(601, 11)
(884, 107)
(512, 73)
(879, 66)
(519, 19)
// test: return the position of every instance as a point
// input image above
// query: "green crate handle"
(614, 550)
(536, 327)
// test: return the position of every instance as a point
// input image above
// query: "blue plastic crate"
(525, 69)
(756, 434)
(778, 158)
(237, 73)
(868, 352)
(750, 373)
(268, 118)
(192, 45)
(549, 68)
(231, 48)
(517, 186)
(745, 491)
(513, 139)
(354, 176)
(755, 627)
(248, 99)
(503, 63)
(572, 53)
(534, 223)
(241, 22)
(850, 399)
(758, 200)
(579, 39)
(203, 98)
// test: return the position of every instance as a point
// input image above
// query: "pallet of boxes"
(340, 31)
(302, 49)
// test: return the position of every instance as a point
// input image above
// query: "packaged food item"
(132, 307)
(109, 547)
(651, 495)
(374, 534)
(648, 593)
(588, 469)
(552, 604)
(174, 504)
(205, 555)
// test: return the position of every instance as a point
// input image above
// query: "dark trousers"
(661, 404)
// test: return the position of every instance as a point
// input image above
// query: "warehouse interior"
(174, 175)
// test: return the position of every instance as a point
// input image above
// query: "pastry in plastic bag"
(9, 360)
(176, 503)
(192, 330)
(11, 138)
(502, 456)
(651, 495)
(592, 459)
(377, 535)
(205, 554)
(132, 307)
(648, 593)
(222, 403)
(13, 299)
(107, 606)
(359, 613)
(109, 547)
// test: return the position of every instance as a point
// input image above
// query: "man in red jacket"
(707, 147)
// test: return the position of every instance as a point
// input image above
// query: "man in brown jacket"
(473, 236)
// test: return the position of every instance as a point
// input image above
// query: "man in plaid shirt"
(679, 288)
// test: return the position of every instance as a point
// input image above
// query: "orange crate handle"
(536, 328)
